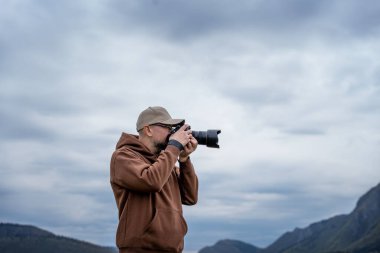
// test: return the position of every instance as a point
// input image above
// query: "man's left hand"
(189, 148)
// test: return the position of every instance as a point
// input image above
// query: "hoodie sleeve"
(130, 171)
(188, 183)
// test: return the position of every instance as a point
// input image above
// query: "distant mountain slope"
(230, 246)
(357, 232)
(22, 238)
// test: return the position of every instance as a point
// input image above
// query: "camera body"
(208, 138)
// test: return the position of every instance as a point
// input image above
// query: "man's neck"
(147, 143)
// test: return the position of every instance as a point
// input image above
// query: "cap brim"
(173, 122)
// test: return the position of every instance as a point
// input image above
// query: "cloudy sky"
(293, 85)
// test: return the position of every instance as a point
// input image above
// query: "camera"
(208, 138)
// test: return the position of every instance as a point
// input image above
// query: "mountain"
(357, 232)
(230, 246)
(23, 238)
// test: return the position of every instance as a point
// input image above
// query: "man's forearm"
(188, 183)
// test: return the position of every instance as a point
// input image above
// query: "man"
(148, 186)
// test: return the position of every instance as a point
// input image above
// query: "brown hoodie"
(149, 192)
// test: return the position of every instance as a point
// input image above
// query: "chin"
(160, 147)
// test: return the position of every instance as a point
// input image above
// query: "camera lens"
(208, 138)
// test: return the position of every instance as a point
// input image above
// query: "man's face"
(160, 136)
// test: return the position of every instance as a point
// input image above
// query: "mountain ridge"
(17, 238)
(230, 246)
(356, 232)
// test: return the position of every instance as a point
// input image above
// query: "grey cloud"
(28, 115)
(261, 96)
(40, 26)
(198, 15)
(193, 19)
(16, 125)
(37, 44)
(293, 18)
(305, 131)
(360, 19)
(371, 104)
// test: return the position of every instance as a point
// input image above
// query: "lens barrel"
(208, 138)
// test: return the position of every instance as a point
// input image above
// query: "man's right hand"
(183, 136)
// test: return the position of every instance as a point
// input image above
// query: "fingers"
(191, 145)
(189, 148)
(184, 127)
(182, 135)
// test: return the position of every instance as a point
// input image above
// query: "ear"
(147, 131)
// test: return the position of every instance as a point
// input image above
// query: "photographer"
(149, 188)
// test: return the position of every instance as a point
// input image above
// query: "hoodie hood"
(132, 142)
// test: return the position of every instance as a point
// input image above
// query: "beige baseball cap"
(154, 115)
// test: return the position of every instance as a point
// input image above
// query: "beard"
(161, 145)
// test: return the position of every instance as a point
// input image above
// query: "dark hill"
(230, 246)
(22, 238)
(357, 232)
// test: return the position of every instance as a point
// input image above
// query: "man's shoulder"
(125, 150)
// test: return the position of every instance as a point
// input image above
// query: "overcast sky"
(293, 85)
